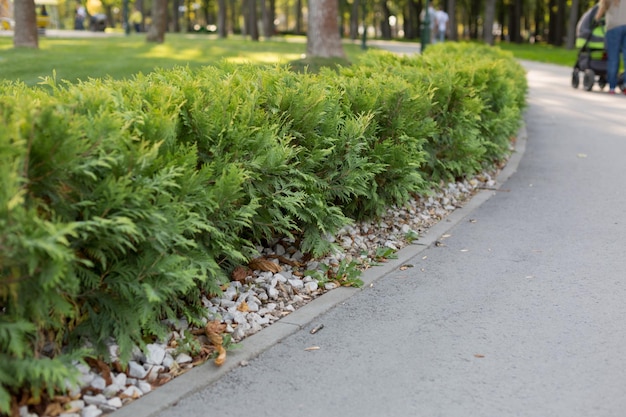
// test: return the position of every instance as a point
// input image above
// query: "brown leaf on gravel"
(214, 330)
(240, 273)
(103, 368)
(264, 264)
(53, 410)
(243, 307)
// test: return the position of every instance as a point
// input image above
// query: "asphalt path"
(520, 312)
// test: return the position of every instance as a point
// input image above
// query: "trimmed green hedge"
(123, 201)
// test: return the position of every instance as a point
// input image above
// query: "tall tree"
(452, 24)
(299, 19)
(385, 25)
(354, 19)
(25, 35)
(159, 22)
(571, 26)
(323, 39)
(222, 21)
(490, 17)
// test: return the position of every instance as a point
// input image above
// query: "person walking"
(614, 12)
(442, 24)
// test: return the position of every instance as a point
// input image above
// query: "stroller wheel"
(589, 79)
(575, 78)
(601, 82)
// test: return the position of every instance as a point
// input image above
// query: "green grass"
(542, 53)
(121, 57)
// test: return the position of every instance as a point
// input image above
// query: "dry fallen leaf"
(240, 273)
(313, 348)
(53, 410)
(317, 329)
(264, 264)
(214, 330)
(243, 307)
(405, 267)
(478, 355)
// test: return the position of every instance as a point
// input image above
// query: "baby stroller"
(592, 58)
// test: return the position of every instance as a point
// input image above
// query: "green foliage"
(123, 202)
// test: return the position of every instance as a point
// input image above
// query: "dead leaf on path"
(312, 348)
(405, 267)
(317, 328)
(473, 220)
(479, 356)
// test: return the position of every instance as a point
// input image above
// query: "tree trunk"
(222, 28)
(385, 26)
(490, 17)
(268, 24)
(515, 16)
(25, 35)
(412, 24)
(452, 26)
(354, 19)
(298, 29)
(159, 22)
(571, 27)
(323, 38)
(234, 17)
(175, 19)
(252, 26)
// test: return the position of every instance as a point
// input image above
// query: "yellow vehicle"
(47, 14)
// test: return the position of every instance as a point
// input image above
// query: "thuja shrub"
(228, 115)
(501, 85)
(399, 113)
(100, 229)
(123, 202)
(36, 262)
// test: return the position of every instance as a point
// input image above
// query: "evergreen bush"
(123, 202)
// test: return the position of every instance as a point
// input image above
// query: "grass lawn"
(542, 53)
(122, 56)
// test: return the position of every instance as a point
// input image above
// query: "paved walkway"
(520, 313)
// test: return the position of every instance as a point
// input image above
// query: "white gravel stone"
(155, 354)
(132, 392)
(183, 358)
(115, 402)
(94, 399)
(144, 386)
(120, 379)
(311, 286)
(112, 390)
(90, 411)
(136, 370)
(98, 383)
